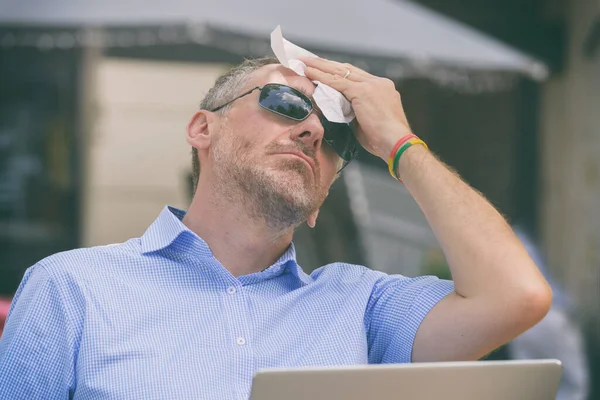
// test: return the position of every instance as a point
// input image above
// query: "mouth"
(303, 156)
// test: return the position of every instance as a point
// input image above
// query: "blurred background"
(95, 97)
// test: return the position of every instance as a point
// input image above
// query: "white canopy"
(389, 30)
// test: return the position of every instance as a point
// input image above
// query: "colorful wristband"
(398, 144)
(401, 150)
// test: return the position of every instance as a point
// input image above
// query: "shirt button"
(231, 290)
(241, 341)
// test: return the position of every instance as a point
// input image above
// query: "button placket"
(235, 300)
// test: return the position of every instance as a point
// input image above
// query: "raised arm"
(499, 292)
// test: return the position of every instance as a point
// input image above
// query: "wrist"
(402, 146)
(409, 159)
(387, 146)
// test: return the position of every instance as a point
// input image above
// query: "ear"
(312, 219)
(198, 129)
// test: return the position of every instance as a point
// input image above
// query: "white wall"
(571, 164)
(137, 154)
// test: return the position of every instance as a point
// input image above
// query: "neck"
(242, 242)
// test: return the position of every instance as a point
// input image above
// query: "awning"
(392, 37)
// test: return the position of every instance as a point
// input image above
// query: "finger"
(336, 68)
(354, 76)
(337, 82)
(336, 73)
(331, 65)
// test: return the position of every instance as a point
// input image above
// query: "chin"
(293, 186)
(290, 183)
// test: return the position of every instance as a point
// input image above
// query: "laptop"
(477, 380)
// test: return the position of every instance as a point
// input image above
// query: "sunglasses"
(293, 104)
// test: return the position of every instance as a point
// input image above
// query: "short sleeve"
(36, 348)
(395, 310)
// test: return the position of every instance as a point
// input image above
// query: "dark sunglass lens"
(285, 101)
(341, 138)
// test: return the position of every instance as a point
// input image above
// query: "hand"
(380, 117)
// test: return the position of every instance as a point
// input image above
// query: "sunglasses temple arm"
(239, 97)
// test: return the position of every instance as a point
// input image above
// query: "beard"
(283, 195)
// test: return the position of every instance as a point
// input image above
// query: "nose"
(310, 132)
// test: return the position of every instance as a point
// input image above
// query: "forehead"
(277, 73)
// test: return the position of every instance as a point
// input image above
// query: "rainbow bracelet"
(401, 150)
(398, 144)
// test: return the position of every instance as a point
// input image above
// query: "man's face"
(282, 166)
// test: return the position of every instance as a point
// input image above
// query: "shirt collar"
(164, 230)
(168, 231)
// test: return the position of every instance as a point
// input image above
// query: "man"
(205, 298)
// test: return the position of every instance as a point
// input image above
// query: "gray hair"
(226, 88)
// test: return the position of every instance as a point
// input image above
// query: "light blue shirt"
(158, 317)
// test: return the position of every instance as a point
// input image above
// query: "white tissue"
(333, 104)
